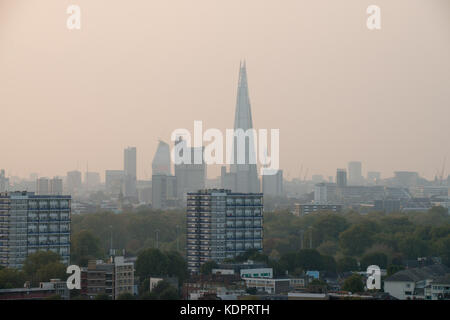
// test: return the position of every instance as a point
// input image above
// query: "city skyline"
(390, 117)
(255, 151)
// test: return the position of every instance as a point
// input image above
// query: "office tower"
(56, 186)
(243, 177)
(144, 190)
(114, 181)
(272, 182)
(159, 191)
(164, 191)
(222, 224)
(355, 177)
(91, 180)
(341, 178)
(29, 223)
(164, 188)
(161, 160)
(73, 182)
(320, 193)
(190, 176)
(42, 186)
(130, 173)
(4, 182)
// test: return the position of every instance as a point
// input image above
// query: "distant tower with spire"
(242, 177)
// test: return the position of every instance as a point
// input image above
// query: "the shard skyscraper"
(243, 175)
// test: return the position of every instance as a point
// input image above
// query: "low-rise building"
(305, 209)
(55, 287)
(438, 289)
(123, 277)
(411, 284)
(108, 278)
(214, 284)
(269, 285)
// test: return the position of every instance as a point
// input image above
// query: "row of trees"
(156, 263)
(132, 231)
(399, 235)
(385, 238)
(38, 267)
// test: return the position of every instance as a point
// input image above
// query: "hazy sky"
(139, 69)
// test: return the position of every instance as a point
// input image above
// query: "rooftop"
(418, 274)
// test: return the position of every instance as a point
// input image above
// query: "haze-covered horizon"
(137, 71)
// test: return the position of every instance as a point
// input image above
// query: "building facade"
(56, 186)
(341, 177)
(4, 182)
(305, 209)
(222, 224)
(191, 176)
(272, 182)
(44, 291)
(164, 192)
(130, 172)
(355, 177)
(123, 277)
(114, 180)
(161, 160)
(30, 223)
(243, 175)
(111, 278)
(74, 182)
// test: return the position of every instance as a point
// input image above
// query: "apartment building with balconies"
(31, 223)
(222, 224)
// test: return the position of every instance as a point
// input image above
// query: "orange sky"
(139, 69)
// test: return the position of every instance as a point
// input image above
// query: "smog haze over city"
(224, 150)
(137, 71)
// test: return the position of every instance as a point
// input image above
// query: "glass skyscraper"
(243, 175)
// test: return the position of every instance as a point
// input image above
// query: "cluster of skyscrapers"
(221, 222)
(170, 190)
